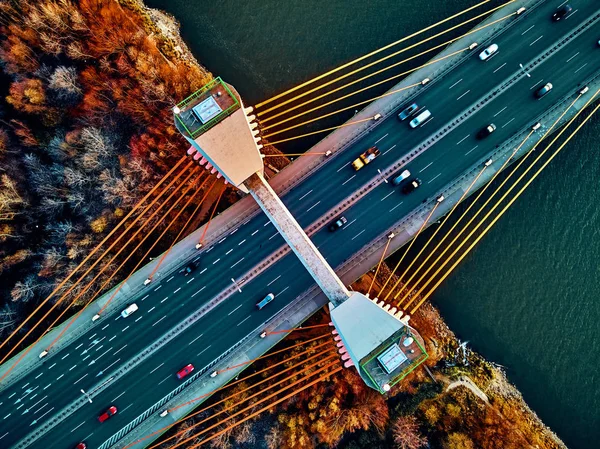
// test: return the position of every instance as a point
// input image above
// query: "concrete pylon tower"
(224, 138)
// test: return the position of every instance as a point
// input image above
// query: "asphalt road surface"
(113, 341)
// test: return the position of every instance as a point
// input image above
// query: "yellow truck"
(365, 158)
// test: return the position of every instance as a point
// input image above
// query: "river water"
(527, 296)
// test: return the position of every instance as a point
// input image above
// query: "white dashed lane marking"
(236, 263)
(235, 309)
(198, 291)
(273, 280)
(243, 320)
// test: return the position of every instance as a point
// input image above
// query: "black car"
(561, 12)
(337, 224)
(192, 267)
(484, 132)
(411, 186)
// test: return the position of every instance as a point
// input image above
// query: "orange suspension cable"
(278, 401)
(273, 353)
(107, 282)
(104, 240)
(302, 328)
(212, 214)
(86, 287)
(260, 401)
(163, 429)
(379, 265)
(193, 214)
(406, 252)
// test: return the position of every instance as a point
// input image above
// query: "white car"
(129, 310)
(485, 54)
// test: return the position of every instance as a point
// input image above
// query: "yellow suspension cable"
(517, 195)
(356, 92)
(442, 224)
(356, 122)
(406, 252)
(379, 265)
(510, 189)
(475, 30)
(464, 214)
(341, 110)
(368, 55)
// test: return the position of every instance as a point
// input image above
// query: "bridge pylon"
(224, 138)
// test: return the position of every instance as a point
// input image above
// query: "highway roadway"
(114, 340)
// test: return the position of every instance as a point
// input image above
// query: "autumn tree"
(406, 433)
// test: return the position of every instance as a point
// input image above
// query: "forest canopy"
(85, 131)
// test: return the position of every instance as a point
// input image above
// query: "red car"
(187, 369)
(81, 446)
(112, 410)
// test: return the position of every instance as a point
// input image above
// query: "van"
(129, 310)
(419, 119)
(266, 300)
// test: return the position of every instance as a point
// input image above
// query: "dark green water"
(527, 297)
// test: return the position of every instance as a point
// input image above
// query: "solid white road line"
(386, 196)
(303, 196)
(198, 291)
(120, 350)
(273, 280)
(426, 167)
(391, 148)
(397, 205)
(380, 139)
(243, 320)
(119, 396)
(528, 29)
(235, 309)
(236, 263)
(78, 427)
(346, 181)
(499, 67)
(195, 339)
(82, 377)
(358, 234)
(500, 111)
(313, 206)
(434, 178)
(159, 321)
(203, 350)
(536, 40)
(472, 149)
(574, 56)
(463, 95)
(455, 83)
(156, 368)
(506, 124)
(462, 140)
